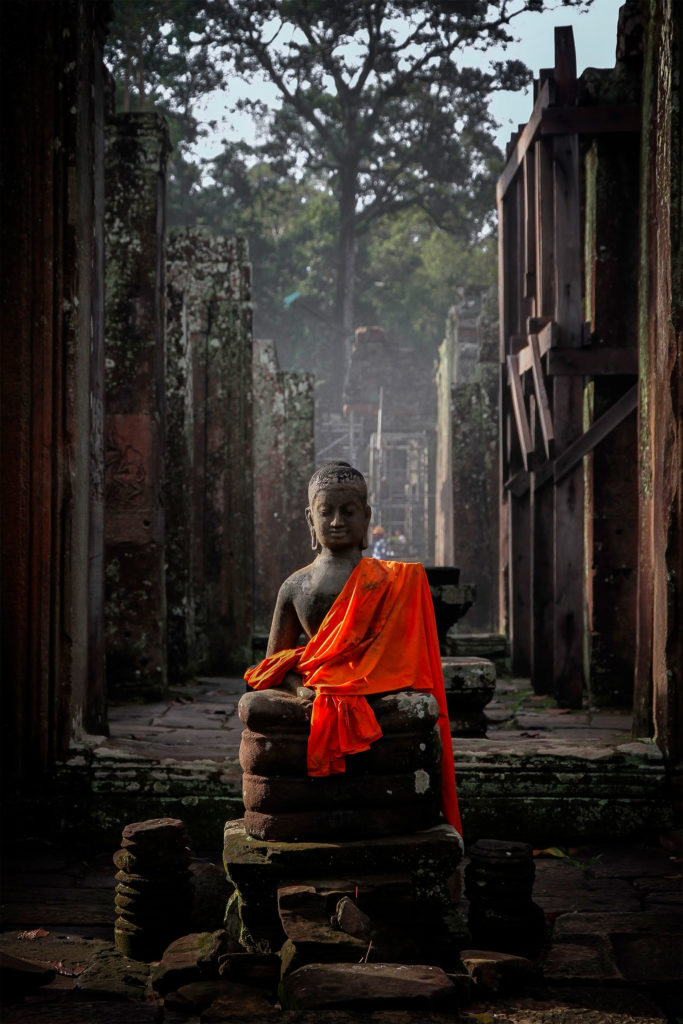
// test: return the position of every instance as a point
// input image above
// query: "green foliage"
(413, 271)
(378, 164)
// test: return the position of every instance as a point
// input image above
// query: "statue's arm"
(285, 628)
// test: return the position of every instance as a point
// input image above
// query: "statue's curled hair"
(337, 473)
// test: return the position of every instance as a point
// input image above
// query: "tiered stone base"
(391, 789)
(407, 887)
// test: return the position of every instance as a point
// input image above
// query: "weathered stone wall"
(51, 171)
(659, 654)
(135, 621)
(468, 459)
(283, 464)
(209, 499)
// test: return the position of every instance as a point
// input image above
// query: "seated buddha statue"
(370, 631)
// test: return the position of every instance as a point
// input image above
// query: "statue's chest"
(317, 597)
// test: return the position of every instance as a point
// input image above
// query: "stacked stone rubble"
(153, 900)
(325, 901)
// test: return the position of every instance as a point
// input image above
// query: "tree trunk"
(346, 276)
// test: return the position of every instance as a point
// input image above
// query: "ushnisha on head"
(338, 513)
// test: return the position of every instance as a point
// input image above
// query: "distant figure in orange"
(369, 625)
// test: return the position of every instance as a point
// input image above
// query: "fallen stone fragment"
(350, 919)
(367, 986)
(191, 958)
(305, 921)
(495, 972)
(113, 975)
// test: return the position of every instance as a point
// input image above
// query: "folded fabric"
(379, 635)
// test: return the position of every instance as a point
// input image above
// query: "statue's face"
(340, 516)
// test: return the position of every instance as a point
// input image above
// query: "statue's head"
(338, 513)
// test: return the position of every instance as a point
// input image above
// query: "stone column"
(472, 434)
(209, 452)
(283, 464)
(135, 606)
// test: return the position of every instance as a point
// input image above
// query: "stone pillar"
(474, 462)
(135, 609)
(209, 452)
(50, 55)
(443, 505)
(283, 465)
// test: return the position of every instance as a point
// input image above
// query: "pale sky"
(594, 39)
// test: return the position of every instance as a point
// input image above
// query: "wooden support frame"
(519, 409)
(543, 406)
(550, 366)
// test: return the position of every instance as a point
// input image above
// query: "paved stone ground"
(201, 720)
(615, 956)
(616, 911)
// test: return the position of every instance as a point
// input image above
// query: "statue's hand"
(291, 683)
(305, 692)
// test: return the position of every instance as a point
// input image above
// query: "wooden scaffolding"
(568, 240)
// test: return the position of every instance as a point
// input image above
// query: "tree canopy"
(380, 153)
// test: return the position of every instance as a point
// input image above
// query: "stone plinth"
(135, 583)
(450, 599)
(424, 866)
(470, 684)
(392, 788)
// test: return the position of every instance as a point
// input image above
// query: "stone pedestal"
(285, 893)
(470, 684)
(393, 788)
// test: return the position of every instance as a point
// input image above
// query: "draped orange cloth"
(379, 635)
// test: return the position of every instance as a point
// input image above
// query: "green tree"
(159, 57)
(376, 99)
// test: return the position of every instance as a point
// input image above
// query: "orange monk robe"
(379, 635)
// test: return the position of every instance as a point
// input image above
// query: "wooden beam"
(596, 433)
(545, 233)
(544, 415)
(529, 172)
(548, 337)
(526, 138)
(519, 483)
(519, 410)
(520, 584)
(606, 119)
(565, 65)
(591, 362)
(582, 362)
(568, 512)
(542, 596)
